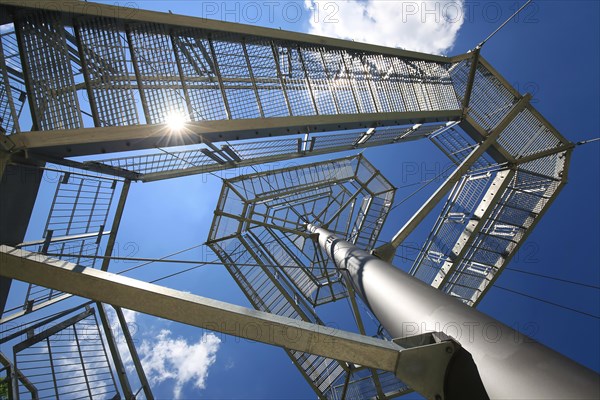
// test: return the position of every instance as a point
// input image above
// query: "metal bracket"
(424, 361)
(438, 367)
(6, 143)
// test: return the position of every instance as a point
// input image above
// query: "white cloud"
(166, 358)
(425, 26)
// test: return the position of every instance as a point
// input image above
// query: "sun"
(175, 121)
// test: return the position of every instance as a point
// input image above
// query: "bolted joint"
(439, 368)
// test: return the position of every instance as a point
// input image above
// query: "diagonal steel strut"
(227, 318)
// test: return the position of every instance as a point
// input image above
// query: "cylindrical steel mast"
(510, 364)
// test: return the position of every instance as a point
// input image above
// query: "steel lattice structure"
(261, 219)
(98, 79)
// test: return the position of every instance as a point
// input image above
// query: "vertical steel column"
(511, 366)
(8, 93)
(134, 355)
(252, 78)
(217, 72)
(35, 115)
(281, 80)
(114, 352)
(184, 86)
(138, 76)
(86, 76)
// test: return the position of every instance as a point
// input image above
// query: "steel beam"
(418, 366)
(388, 250)
(471, 79)
(474, 226)
(8, 95)
(114, 352)
(18, 376)
(510, 365)
(85, 141)
(134, 355)
(115, 225)
(86, 76)
(75, 8)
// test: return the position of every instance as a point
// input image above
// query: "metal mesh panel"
(332, 141)
(320, 88)
(339, 81)
(438, 86)
(109, 77)
(204, 75)
(361, 82)
(387, 90)
(294, 80)
(457, 145)
(361, 386)
(552, 166)
(67, 361)
(397, 134)
(162, 161)
(234, 71)
(200, 76)
(490, 99)
(527, 135)
(159, 75)
(268, 84)
(248, 151)
(45, 50)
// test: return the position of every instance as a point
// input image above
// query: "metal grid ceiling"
(208, 76)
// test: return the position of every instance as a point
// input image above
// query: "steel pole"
(510, 364)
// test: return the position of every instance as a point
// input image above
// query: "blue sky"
(552, 51)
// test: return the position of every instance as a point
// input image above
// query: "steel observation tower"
(178, 96)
